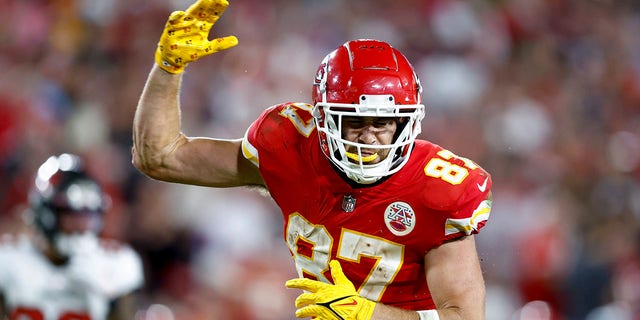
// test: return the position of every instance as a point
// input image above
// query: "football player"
(380, 224)
(63, 270)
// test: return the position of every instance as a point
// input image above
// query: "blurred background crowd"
(544, 94)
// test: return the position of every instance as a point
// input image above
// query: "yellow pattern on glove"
(186, 35)
(325, 301)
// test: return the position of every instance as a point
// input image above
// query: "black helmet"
(62, 187)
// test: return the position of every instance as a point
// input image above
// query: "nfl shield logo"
(348, 203)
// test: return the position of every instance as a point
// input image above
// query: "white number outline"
(389, 258)
(352, 246)
(291, 113)
(448, 171)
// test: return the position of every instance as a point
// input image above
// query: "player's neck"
(56, 259)
(53, 255)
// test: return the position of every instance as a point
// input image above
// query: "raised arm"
(160, 149)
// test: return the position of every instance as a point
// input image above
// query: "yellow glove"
(186, 35)
(325, 301)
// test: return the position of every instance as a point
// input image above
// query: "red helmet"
(367, 78)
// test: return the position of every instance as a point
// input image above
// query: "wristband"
(428, 315)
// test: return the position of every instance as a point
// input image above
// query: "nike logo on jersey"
(482, 187)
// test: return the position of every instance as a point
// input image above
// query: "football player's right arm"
(160, 149)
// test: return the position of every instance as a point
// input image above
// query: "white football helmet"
(367, 78)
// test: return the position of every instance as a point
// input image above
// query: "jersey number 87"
(311, 245)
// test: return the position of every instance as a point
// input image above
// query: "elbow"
(137, 161)
(156, 160)
(146, 164)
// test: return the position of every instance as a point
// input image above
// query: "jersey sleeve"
(114, 270)
(250, 141)
(5, 248)
(460, 190)
(10, 247)
(474, 208)
(130, 274)
(473, 205)
(276, 123)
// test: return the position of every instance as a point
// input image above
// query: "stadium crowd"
(544, 94)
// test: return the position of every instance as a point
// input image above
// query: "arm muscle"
(163, 152)
(455, 280)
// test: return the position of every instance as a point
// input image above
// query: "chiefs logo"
(400, 218)
(321, 75)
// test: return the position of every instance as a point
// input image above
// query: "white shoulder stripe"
(249, 151)
(469, 225)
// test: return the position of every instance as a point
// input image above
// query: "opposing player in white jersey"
(63, 270)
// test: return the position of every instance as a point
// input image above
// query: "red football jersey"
(380, 233)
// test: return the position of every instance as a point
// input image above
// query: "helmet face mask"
(369, 79)
(67, 205)
(75, 244)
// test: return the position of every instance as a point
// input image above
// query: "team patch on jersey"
(400, 218)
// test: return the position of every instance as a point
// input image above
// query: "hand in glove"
(325, 301)
(186, 35)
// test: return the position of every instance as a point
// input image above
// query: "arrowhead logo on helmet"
(367, 78)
